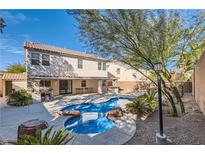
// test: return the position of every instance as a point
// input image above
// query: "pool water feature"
(93, 116)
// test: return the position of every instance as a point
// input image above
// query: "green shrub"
(20, 98)
(59, 137)
(138, 107)
(143, 104)
(150, 98)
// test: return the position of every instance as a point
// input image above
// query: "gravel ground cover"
(186, 129)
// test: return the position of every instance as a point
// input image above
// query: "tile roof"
(14, 76)
(43, 47)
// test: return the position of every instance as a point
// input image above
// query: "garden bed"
(187, 129)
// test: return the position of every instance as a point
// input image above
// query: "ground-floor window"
(104, 83)
(109, 83)
(83, 83)
(45, 83)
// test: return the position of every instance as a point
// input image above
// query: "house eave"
(70, 77)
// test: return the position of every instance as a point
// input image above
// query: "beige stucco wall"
(16, 85)
(89, 84)
(19, 85)
(198, 79)
(193, 82)
(126, 73)
(1, 86)
(34, 86)
(55, 87)
(75, 84)
(128, 79)
(127, 86)
(64, 66)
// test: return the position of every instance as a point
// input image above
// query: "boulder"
(115, 113)
(30, 127)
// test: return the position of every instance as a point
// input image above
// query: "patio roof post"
(100, 85)
(3, 88)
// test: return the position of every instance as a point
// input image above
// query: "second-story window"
(83, 83)
(99, 65)
(134, 75)
(118, 71)
(80, 63)
(45, 60)
(104, 65)
(35, 58)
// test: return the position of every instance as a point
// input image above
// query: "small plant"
(59, 137)
(138, 107)
(143, 104)
(150, 98)
(20, 98)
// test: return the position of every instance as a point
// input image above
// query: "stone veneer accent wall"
(198, 83)
(33, 86)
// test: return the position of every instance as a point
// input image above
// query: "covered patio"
(12, 82)
(57, 86)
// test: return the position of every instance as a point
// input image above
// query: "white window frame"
(32, 58)
(104, 66)
(80, 63)
(99, 65)
(45, 60)
(118, 71)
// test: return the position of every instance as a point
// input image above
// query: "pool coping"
(120, 134)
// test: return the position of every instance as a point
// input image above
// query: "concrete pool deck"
(11, 117)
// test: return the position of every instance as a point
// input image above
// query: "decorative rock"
(73, 113)
(30, 127)
(115, 113)
(66, 113)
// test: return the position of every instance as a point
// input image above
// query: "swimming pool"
(93, 116)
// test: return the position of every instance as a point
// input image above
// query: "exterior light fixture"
(161, 138)
(158, 67)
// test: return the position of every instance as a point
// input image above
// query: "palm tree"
(2, 24)
(58, 137)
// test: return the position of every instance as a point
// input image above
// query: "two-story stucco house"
(63, 71)
(128, 79)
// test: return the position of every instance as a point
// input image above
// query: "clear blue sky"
(53, 27)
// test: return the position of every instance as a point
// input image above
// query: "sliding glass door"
(65, 87)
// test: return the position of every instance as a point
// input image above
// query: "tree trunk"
(171, 100)
(164, 90)
(176, 93)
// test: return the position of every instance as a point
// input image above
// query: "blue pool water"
(93, 117)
